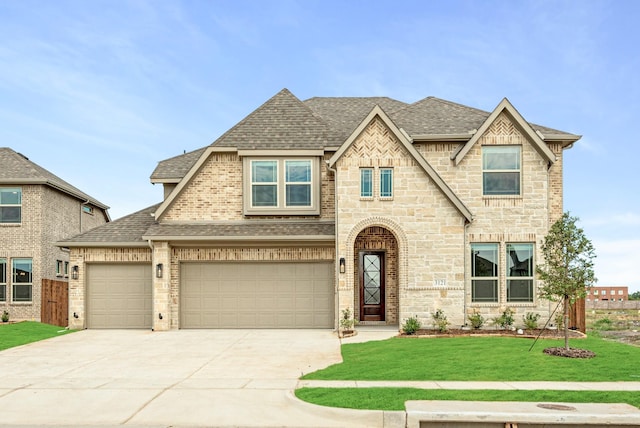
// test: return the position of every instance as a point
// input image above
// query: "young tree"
(567, 273)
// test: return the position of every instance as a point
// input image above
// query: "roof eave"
(442, 137)
(80, 244)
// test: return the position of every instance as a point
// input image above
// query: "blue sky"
(99, 91)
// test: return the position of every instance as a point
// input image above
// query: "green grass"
(394, 398)
(26, 332)
(482, 359)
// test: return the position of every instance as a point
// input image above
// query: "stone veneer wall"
(429, 231)
(376, 238)
(80, 257)
(181, 255)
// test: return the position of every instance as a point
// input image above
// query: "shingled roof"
(285, 122)
(18, 169)
(124, 232)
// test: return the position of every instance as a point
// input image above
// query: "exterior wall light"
(159, 270)
(74, 272)
(342, 265)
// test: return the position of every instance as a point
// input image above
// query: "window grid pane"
(264, 183)
(366, 182)
(298, 194)
(386, 182)
(22, 279)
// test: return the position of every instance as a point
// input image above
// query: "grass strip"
(482, 359)
(27, 332)
(394, 398)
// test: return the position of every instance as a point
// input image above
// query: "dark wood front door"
(371, 286)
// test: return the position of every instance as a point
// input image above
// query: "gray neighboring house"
(305, 209)
(37, 209)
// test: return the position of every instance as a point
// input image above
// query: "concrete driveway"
(176, 378)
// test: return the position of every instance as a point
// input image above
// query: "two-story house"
(307, 208)
(37, 209)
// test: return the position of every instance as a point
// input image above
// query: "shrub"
(505, 321)
(440, 321)
(411, 325)
(603, 324)
(531, 320)
(5, 316)
(476, 319)
(347, 321)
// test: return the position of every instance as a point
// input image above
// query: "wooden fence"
(55, 302)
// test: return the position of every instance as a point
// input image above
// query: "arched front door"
(372, 285)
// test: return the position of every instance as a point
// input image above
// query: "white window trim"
(281, 208)
(387, 197)
(372, 171)
(13, 205)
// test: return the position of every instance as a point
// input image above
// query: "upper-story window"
(366, 182)
(281, 186)
(501, 170)
(386, 182)
(10, 205)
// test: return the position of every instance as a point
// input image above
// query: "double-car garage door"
(256, 295)
(216, 295)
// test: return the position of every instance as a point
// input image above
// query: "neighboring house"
(307, 208)
(612, 293)
(37, 209)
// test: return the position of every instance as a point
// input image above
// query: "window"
(10, 205)
(595, 292)
(604, 292)
(484, 272)
(366, 182)
(22, 277)
(87, 209)
(3, 280)
(620, 292)
(520, 272)
(59, 267)
(298, 183)
(281, 186)
(386, 182)
(66, 269)
(501, 170)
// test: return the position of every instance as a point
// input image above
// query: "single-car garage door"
(256, 295)
(119, 296)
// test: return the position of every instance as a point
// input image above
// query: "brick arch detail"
(401, 242)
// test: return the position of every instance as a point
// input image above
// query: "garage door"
(119, 296)
(256, 295)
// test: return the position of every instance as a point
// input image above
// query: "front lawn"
(394, 398)
(26, 332)
(482, 359)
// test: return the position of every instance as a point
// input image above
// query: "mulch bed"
(456, 332)
(570, 353)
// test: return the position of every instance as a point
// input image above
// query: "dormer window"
(501, 170)
(287, 186)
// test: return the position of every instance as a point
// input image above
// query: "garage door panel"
(119, 296)
(256, 295)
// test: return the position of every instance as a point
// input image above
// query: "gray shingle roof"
(126, 230)
(18, 169)
(285, 122)
(267, 229)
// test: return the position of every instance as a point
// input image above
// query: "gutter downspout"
(336, 261)
(466, 272)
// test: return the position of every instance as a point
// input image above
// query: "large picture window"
(501, 170)
(3, 280)
(484, 272)
(22, 280)
(520, 270)
(281, 186)
(10, 205)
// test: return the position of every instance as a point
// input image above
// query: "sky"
(98, 92)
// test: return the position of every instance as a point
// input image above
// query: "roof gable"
(406, 142)
(283, 122)
(506, 107)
